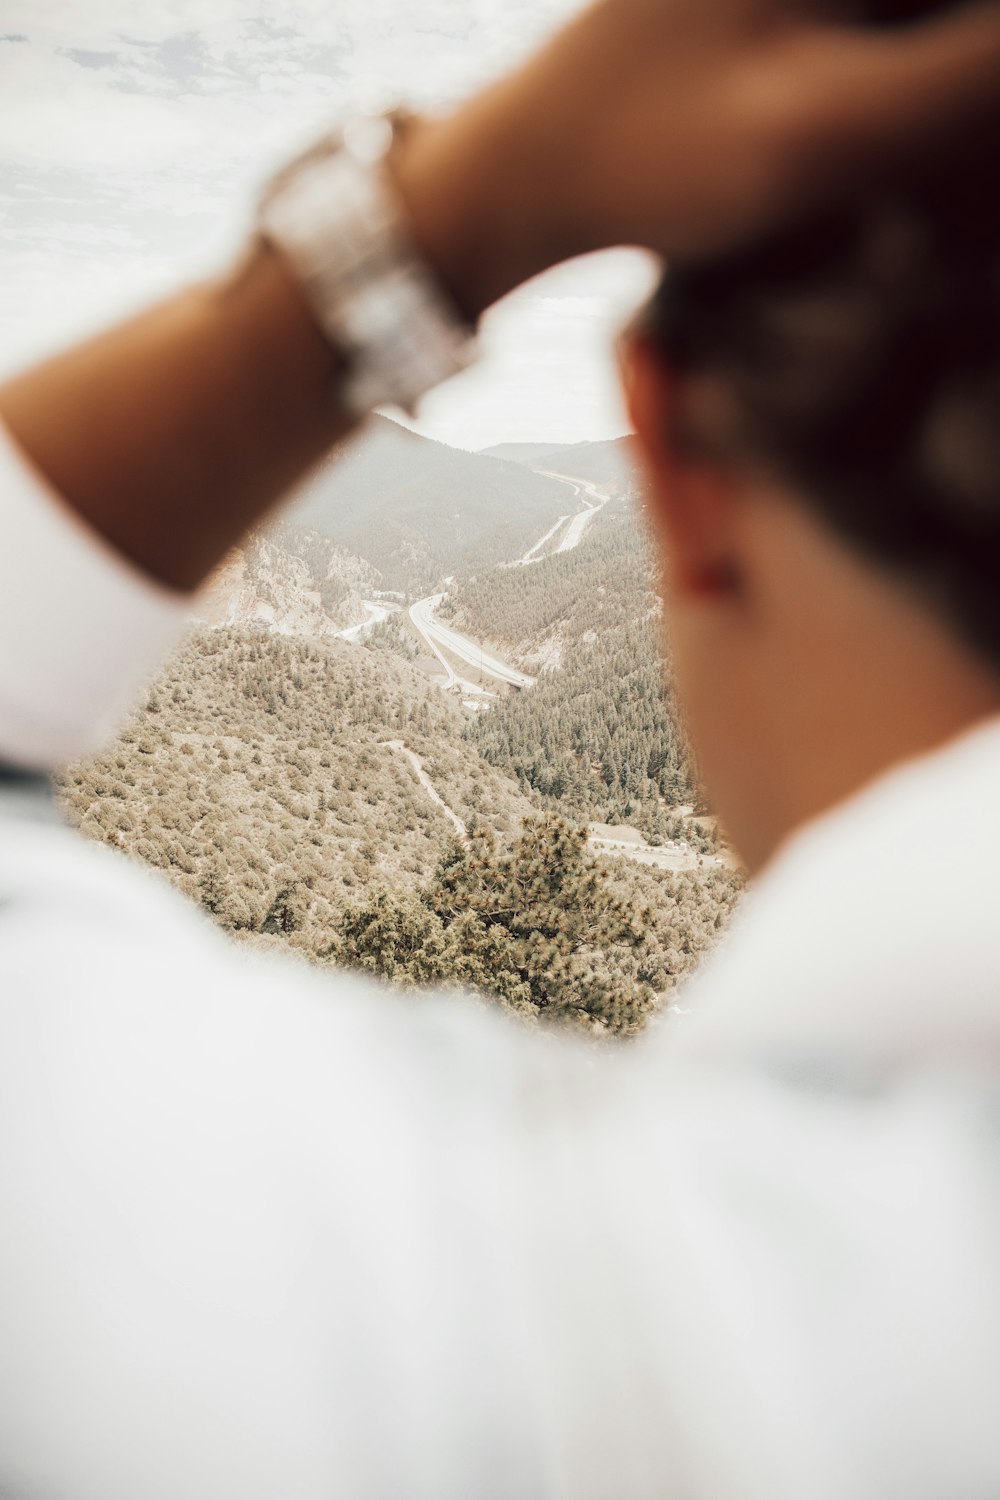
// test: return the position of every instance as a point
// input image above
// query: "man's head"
(821, 422)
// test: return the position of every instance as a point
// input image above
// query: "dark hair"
(859, 361)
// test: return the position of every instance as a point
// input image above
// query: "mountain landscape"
(420, 511)
(612, 464)
(422, 727)
(598, 735)
(290, 580)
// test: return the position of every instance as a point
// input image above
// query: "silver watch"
(337, 219)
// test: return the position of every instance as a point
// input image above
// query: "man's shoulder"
(876, 924)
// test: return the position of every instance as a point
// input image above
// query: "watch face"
(336, 217)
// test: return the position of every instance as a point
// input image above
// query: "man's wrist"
(469, 187)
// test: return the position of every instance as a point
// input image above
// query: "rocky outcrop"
(292, 581)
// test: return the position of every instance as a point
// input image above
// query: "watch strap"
(336, 217)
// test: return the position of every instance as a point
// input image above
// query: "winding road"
(376, 613)
(442, 638)
(592, 501)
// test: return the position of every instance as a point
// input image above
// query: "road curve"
(592, 501)
(442, 638)
(376, 613)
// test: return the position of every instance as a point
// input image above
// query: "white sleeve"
(82, 628)
(263, 1236)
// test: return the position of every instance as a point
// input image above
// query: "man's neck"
(868, 677)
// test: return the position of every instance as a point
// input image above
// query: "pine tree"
(536, 925)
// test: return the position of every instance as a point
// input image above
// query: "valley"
(382, 716)
(375, 614)
(441, 638)
(591, 501)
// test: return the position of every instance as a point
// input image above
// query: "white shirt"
(266, 1233)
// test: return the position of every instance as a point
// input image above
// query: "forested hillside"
(610, 465)
(420, 511)
(259, 781)
(262, 778)
(598, 736)
(604, 584)
(553, 933)
(331, 797)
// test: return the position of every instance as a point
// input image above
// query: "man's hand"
(685, 125)
(689, 126)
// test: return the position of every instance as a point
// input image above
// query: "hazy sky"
(133, 133)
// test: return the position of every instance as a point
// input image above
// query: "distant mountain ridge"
(397, 511)
(610, 464)
(519, 453)
(421, 512)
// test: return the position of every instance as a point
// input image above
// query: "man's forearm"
(175, 432)
(681, 126)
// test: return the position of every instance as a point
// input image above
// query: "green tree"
(535, 924)
(397, 937)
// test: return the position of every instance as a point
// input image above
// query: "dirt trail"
(428, 785)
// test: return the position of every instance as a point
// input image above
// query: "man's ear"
(693, 500)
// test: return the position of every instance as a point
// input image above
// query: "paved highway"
(529, 556)
(592, 502)
(442, 638)
(577, 524)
